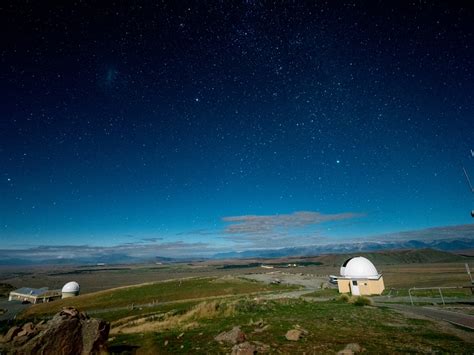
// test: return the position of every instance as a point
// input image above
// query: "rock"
(259, 323)
(260, 330)
(244, 349)
(68, 332)
(233, 336)
(294, 334)
(261, 347)
(27, 330)
(69, 311)
(12, 332)
(350, 349)
(354, 347)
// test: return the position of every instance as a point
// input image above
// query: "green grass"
(323, 293)
(169, 291)
(331, 326)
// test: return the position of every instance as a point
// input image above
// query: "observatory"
(34, 295)
(70, 289)
(360, 277)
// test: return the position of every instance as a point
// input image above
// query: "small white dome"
(72, 287)
(359, 267)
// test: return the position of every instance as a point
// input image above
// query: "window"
(354, 283)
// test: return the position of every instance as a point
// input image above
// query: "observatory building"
(34, 295)
(70, 289)
(360, 277)
(42, 295)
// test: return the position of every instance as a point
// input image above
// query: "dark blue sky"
(152, 124)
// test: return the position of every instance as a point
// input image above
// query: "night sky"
(233, 124)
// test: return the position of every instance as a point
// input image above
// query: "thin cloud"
(127, 250)
(463, 231)
(280, 229)
(151, 240)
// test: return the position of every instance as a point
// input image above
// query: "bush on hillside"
(363, 301)
(343, 298)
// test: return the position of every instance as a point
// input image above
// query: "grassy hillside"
(191, 312)
(169, 291)
(329, 327)
(396, 257)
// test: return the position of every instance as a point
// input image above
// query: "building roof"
(72, 286)
(32, 291)
(359, 267)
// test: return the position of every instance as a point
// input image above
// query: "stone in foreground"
(68, 332)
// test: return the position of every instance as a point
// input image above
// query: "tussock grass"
(344, 298)
(176, 320)
(362, 301)
(355, 300)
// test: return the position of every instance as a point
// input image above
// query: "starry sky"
(233, 124)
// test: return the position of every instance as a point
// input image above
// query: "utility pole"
(470, 187)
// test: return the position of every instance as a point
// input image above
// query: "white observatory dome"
(359, 267)
(71, 287)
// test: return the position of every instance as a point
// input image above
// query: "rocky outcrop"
(68, 332)
(296, 334)
(233, 336)
(244, 349)
(350, 349)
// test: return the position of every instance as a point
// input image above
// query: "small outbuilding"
(360, 277)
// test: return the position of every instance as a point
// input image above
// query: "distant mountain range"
(351, 247)
(460, 244)
(109, 259)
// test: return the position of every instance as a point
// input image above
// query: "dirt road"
(463, 320)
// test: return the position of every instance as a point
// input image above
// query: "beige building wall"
(344, 285)
(376, 287)
(366, 286)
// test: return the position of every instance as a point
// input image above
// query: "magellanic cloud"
(278, 229)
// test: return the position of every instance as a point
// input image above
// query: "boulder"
(12, 332)
(350, 349)
(244, 349)
(233, 336)
(296, 334)
(68, 332)
(27, 330)
(293, 334)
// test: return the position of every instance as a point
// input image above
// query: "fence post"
(411, 299)
(441, 294)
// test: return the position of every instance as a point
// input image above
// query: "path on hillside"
(463, 320)
(418, 300)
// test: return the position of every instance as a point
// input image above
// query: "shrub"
(343, 298)
(363, 301)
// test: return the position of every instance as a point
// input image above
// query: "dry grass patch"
(173, 320)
